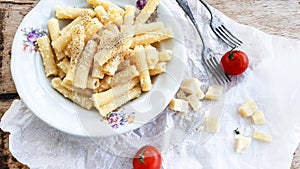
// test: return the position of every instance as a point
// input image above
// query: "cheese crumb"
(247, 108)
(200, 128)
(247, 131)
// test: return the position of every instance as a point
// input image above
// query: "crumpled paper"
(272, 81)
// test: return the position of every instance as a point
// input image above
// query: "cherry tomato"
(147, 157)
(234, 62)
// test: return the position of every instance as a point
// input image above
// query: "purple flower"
(140, 4)
(118, 118)
(113, 118)
(113, 114)
(32, 35)
(123, 121)
(115, 126)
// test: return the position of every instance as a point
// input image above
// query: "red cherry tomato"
(147, 157)
(234, 62)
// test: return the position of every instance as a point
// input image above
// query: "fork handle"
(185, 7)
(207, 7)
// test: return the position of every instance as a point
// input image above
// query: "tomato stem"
(141, 156)
(231, 55)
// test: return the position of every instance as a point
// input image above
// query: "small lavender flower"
(113, 114)
(123, 121)
(118, 118)
(33, 35)
(113, 117)
(114, 126)
(30, 37)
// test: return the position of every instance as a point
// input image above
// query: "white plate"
(35, 89)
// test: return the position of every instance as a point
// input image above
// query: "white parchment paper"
(272, 80)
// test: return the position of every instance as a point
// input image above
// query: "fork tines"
(220, 30)
(215, 68)
(226, 36)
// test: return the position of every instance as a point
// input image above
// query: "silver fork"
(208, 59)
(220, 30)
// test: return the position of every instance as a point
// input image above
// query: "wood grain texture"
(277, 17)
(11, 15)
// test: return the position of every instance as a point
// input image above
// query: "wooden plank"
(19, 1)
(11, 16)
(280, 17)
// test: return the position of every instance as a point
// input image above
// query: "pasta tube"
(47, 56)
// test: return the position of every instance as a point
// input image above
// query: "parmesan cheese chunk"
(194, 102)
(165, 55)
(214, 92)
(190, 85)
(179, 105)
(212, 124)
(262, 136)
(181, 95)
(200, 95)
(158, 68)
(151, 56)
(258, 117)
(247, 108)
(242, 143)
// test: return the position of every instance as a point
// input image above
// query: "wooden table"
(281, 17)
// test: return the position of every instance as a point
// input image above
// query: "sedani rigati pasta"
(105, 56)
